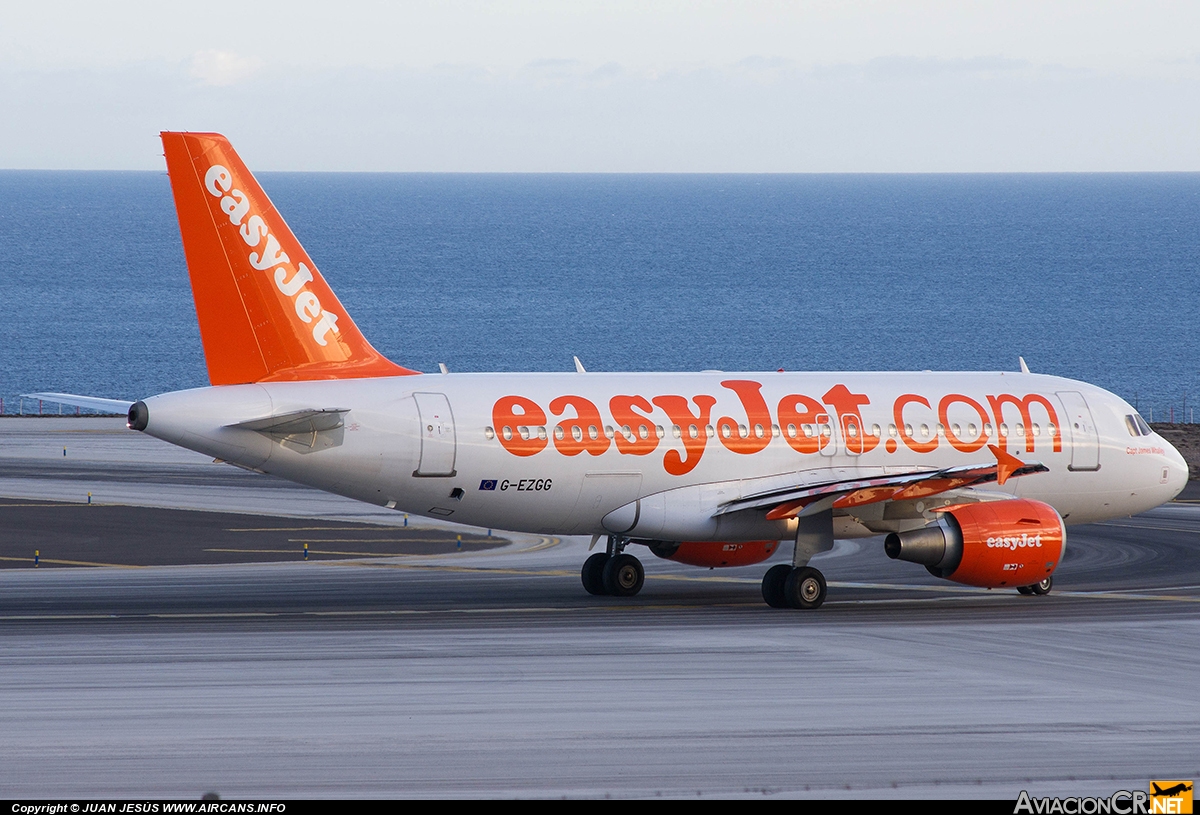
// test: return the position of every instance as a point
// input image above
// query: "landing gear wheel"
(623, 576)
(804, 588)
(1025, 590)
(772, 585)
(1043, 587)
(593, 573)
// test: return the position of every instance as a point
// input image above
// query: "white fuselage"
(657, 454)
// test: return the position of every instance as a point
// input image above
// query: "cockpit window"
(1137, 426)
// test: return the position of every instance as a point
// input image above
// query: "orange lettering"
(644, 434)
(998, 403)
(792, 420)
(905, 435)
(692, 430)
(584, 432)
(943, 417)
(508, 423)
(756, 433)
(846, 405)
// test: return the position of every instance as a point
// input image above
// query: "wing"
(797, 500)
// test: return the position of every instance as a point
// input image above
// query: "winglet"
(265, 312)
(1006, 464)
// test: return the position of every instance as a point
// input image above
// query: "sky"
(582, 86)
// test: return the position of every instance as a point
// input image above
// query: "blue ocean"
(1089, 276)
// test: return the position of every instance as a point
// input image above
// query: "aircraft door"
(1085, 437)
(827, 435)
(438, 445)
(852, 434)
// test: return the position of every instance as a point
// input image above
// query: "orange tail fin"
(265, 312)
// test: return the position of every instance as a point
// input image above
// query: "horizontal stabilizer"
(89, 402)
(297, 421)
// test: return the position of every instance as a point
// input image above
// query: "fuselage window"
(1141, 423)
(1132, 427)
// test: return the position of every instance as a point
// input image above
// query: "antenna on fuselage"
(1024, 367)
(579, 369)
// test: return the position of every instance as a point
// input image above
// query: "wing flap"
(794, 501)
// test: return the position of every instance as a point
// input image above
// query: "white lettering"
(307, 306)
(217, 181)
(253, 230)
(272, 255)
(327, 323)
(302, 276)
(235, 205)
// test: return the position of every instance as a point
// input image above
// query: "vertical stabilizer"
(265, 312)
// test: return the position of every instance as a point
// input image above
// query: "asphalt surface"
(491, 673)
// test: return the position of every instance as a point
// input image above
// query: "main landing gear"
(800, 585)
(1041, 588)
(786, 586)
(613, 572)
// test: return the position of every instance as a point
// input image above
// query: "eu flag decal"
(488, 484)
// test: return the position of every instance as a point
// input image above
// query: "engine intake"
(1002, 543)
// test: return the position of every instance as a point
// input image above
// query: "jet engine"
(713, 554)
(1016, 542)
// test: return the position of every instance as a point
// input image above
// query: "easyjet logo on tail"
(267, 255)
(806, 424)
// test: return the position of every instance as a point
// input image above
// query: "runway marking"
(402, 612)
(371, 528)
(1157, 528)
(324, 551)
(441, 539)
(47, 504)
(73, 562)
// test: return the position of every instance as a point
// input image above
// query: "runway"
(491, 673)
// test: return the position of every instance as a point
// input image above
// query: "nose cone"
(1177, 470)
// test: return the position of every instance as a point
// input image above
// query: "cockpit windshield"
(1136, 425)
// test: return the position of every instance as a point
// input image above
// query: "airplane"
(973, 475)
(1170, 792)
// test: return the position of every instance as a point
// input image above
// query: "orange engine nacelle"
(713, 554)
(1000, 543)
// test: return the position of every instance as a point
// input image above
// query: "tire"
(1042, 588)
(1025, 590)
(772, 585)
(804, 588)
(623, 576)
(593, 573)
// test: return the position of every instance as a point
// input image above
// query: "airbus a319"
(974, 476)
